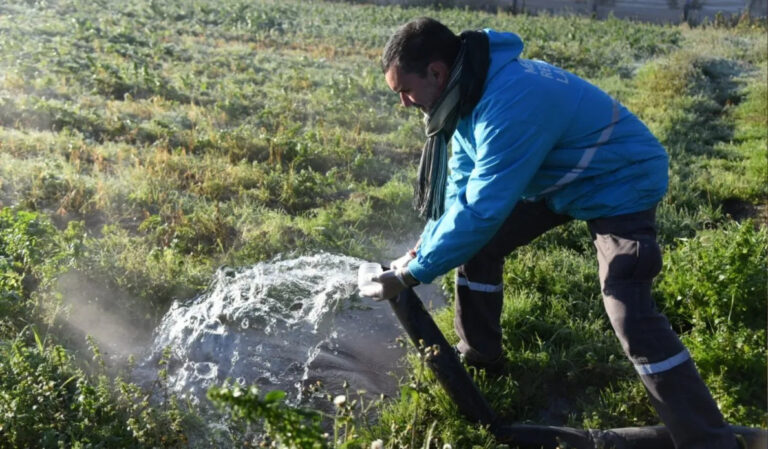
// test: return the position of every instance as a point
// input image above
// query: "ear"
(438, 72)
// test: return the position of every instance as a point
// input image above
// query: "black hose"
(449, 371)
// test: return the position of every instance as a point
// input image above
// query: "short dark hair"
(419, 42)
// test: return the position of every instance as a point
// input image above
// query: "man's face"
(419, 91)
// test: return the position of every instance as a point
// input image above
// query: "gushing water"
(280, 324)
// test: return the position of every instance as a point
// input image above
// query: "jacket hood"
(504, 47)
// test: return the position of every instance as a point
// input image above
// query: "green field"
(144, 144)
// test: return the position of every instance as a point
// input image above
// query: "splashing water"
(281, 325)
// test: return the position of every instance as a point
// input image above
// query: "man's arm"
(508, 154)
(460, 166)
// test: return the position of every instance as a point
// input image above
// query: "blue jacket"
(538, 133)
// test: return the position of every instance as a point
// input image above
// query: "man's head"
(417, 61)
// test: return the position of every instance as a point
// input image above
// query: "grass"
(146, 144)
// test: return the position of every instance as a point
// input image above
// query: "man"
(534, 147)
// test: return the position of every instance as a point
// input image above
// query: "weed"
(716, 279)
(289, 426)
(164, 139)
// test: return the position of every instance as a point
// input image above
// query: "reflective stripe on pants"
(629, 258)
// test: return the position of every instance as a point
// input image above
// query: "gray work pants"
(629, 258)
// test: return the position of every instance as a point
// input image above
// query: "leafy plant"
(147, 143)
(716, 279)
(46, 400)
(289, 426)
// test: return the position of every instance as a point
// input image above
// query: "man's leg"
(479, 292)
(629, 259)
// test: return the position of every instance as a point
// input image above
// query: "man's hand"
(402, 262)
(389, 284)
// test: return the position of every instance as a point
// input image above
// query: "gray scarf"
(461, 94)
